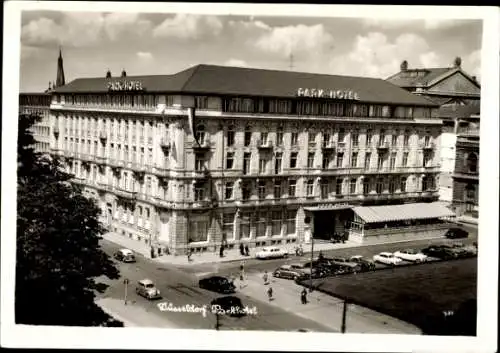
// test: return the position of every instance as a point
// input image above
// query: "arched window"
(471, 163)
(200, 134)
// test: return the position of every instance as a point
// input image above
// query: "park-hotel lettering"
(323, 93)
(125, 86)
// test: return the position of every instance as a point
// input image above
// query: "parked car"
(459, 249)
(124, 255)
(287, 272)
(471, 250)
(147, 289)
(411, 255)
(229, 305)
(387, 258)
(217, 284)
(455, 233)
(440, 252)
(366, 265)
(350, 266)
(271, 252)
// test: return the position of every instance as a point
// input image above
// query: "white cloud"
(144, 55)
(189, 26)
(299, 38)
(472, 63)
(116, 24)
(236, 62)
(40, 31)
(375, 56)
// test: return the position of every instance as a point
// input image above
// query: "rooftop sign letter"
(323, 93)
(125, 86)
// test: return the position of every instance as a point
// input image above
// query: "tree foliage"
(58, 253)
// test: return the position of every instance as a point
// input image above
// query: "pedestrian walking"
(247, 251)
(242, 266)
(270, 293)
(221, 251)
(265, 278)
(242, 249)
(303, 296)
(189, 253)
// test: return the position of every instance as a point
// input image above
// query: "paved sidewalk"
(132, 315)
(322, 308)
(230, 255)
(468, 220)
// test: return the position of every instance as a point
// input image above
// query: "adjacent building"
(222, 155)
(457, 94)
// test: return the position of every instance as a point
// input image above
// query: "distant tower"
(60, 81)
(108, 74)
(124, 73)
(457, 62)
(404, 65)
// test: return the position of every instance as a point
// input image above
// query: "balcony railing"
(384, 145)
(264, 144)
(125, 193)
(328, 147)
(203, 146)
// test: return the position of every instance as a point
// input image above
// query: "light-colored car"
(271, 252)
(147, 289)
(387, 258)
(125, 255)
(411, 255)
(288, 272)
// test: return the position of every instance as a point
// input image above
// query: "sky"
(163, 43)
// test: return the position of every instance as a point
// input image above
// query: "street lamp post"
(312, 257)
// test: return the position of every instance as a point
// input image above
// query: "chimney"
(108, 74)
(474, 78)
(124, 73)
(404, 65)
(458, 62)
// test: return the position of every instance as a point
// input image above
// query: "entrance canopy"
(394, 213)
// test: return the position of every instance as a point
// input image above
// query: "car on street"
(217, 284)
(287, 272)
(455, 233)
(459, 249)
(271, 252)
(229, 305)
(366, 264)
(440, 252)
(124, 255)
(387, 258)
(411, 255)
(147, 289)
(350, 266)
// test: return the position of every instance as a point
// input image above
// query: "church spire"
(60, 70)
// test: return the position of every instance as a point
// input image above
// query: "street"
(181, 288)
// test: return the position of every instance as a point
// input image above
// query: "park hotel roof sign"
(327, 93)
(125, 86)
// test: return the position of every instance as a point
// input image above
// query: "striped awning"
(376, 214)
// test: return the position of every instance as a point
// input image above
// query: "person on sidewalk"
(303, 296)
(189, 253)
(242, 279)
(221, 251)
(265, 278)
(270, 293)
(247, 252)
(242, 249)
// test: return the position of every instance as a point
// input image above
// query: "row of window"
(40, 130)
(113, 100)
(327, 161)
(327, 187)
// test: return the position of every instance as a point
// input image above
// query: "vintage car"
(366, 265)
(289, 272)
(147, 289)
(124, 255)
(271, 252)
(455, 233)
(411, 255)
(387, 258)
(217, 284)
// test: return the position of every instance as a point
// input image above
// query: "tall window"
(277, 189)
(392, 186)
(230, 136)
(380, 185)
(198, 231)
(341, 136)
(381, 139)
(228, 225)
(228, 191)
(354, 159)
(246, 162)
(200, 134)
(276, 222)
(326, 160)
(427, 159)
(246, 190)
(245, 224)
(403, 184)
(230, 160)
(261, 189)
(310, 160)
(338, 187)
(148, 185)
(279, 136)
(405, 159)
(324, 188)
(248, 136)
(326, 139)
(199, 192)
(290, 221)
(369, 135)
(310, 187)
(380, 162)
(199, 162)
(392, 161)
(312, 139)
(394, 140)
(292, 187)
(427, 140)
(278, 162)
(406, 139)
(261, 224)
(352, 187)
(340, 160)
(263, 138)
(366, 186)
(293, 159)
(368, 158)
(471, 163)
(355, 138)
(262, 165)
(295, 138)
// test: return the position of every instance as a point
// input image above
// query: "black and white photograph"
(306, 175)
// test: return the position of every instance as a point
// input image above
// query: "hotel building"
(221, 155)
(458, 95)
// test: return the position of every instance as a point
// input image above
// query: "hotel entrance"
(330, 222)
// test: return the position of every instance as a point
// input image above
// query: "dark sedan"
(440, 252)
(218, 284)
(455, 233)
